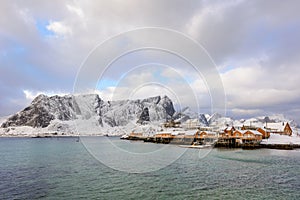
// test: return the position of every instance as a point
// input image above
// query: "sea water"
(62, 168)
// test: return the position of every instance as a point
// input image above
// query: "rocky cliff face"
(144, 117)
(44, 110)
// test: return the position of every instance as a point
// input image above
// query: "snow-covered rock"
(185, 114)
(86, 113)
(217, 120)
(203, 120)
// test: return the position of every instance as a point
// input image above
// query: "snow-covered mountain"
(217, 120)
(87, 114)
(203, 120)
(184, 114)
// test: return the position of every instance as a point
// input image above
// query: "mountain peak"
(82, 108)
(155, 99)
(39, 98)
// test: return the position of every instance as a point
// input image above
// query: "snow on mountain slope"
(217, 120)
(88, 114)
(43, 110)
(85, 114)
(260, 121)
(203, 120)
(276, 118)
(185, 114)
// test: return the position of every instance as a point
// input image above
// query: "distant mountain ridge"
(89, 114)
(44, 109)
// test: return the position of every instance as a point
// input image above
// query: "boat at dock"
(124, 137)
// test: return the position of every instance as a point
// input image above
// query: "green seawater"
(62, 168)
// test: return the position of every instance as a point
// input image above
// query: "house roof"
(252, 131)
(209, 132)
(192, 121)
(279, 126)
(240, 131)
(184, 132)
(229, 128)
(159, 133)
(256, 132)
(243, 131)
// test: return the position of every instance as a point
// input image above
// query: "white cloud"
(59, 28)
(26, 16)
(246, 112)
(76, 10)
(30, 95)
(105, 94)
(253, 87)
(143, 83)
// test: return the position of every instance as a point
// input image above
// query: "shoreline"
(282, 146)
(278, 146)
(54, 136)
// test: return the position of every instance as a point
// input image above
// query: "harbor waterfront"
(61, 168)
(213, 140)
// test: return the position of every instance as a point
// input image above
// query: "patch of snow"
(282, 139)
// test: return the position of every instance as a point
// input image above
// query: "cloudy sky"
(255, 46)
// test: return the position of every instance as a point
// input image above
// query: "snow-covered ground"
(91, 127)
(80, 127)
(282, 139)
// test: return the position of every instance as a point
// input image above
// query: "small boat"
(124, 137)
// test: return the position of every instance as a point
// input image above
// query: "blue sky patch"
(105, 82)
(41, 26)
